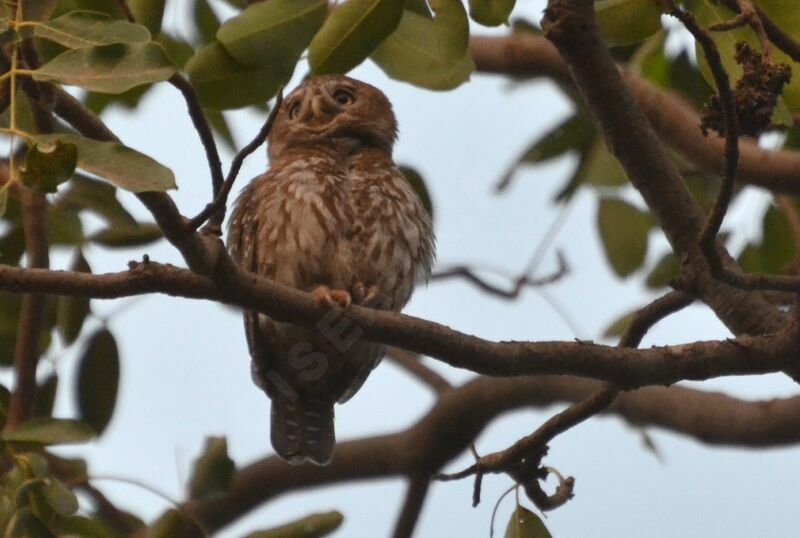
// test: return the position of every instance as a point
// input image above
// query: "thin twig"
(215, 211)
(709, 232)
(522, 459)
(517, 284)
(412, 506)
(776, 35)
(203, 129)
(32, 314)
(410, 362)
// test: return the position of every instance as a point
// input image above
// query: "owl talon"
(364, 295)
(326, 296)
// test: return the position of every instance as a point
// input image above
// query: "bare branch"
(410, 362)
(709, 232)
(203, 129)
(626, 368)
(710, 417)
(412, 507)
(517, 285)
(32, 313)
(216, 209)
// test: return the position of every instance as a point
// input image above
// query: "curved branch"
(671, 116)
(626, 368)
(460, 416)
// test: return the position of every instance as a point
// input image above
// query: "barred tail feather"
(303, 430)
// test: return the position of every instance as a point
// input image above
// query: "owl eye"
(344, 97)
(294, 110)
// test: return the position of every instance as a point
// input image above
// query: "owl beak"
(317, 106)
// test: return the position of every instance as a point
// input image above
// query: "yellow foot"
(364, 295)
(324, 295)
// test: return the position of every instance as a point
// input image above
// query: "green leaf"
(575, 133)
(9, 317)
(417, 182)
(272, 34)
(777, 244)
(665, 270)
(678, 73)
(148, 13)
(422, 52)
(46, 396)
(710, 13)
(602, 169)
(216, 119)
(85, 193)
(214, 72)
(313, 526)
(178, 50)
(491, 12)
(420, 7)
(64, 226)
(98, 380)
(72, 311)
(81, 29)
(120, 165)
(49, 165)
(49, 431)
(624, 232)
(626, 22)
(351, 32)
(168, 525)
(205, 21)
(112, 9)
(60, 499)
(526, 524)
(37, 10)
(142, 234)
(97, 102)
(111, 68)
(213, 470)
(84, 527)
(750, 259)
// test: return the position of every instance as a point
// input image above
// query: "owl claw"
(326, 296)
(364, 295)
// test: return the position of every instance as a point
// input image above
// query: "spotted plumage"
(333, 216)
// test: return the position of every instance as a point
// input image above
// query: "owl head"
(333, 110)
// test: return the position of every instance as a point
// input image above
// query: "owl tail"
(303, 430)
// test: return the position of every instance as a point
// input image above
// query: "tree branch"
(32, 312)
(460, 416)
(570, 25)
(410, 362)
(517, 284)
(626, 368)
(412, 507)
(671, 116)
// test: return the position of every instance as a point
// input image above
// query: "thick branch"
(671, 116)
(626, 368)
(571, 27)
(459, 417)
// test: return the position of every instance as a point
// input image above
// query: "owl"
(332, 216)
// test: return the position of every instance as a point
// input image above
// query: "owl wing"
(397, 242)
(243, 245)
